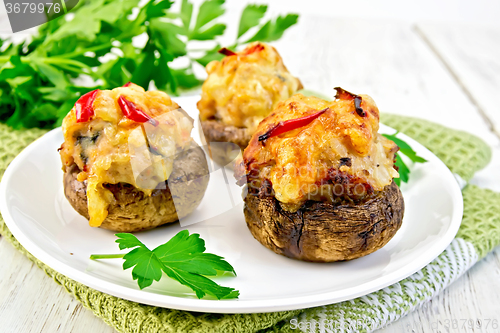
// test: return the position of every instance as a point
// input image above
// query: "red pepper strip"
(127, 84)
(344, 94)
(357, 106)
(256, 48)
(132, 112)
(291, 124)
(83, 107)
(226, 52)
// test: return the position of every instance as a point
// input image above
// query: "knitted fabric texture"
(380, 308)
(479, 234)
(481, 221)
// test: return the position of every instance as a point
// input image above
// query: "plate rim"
(225, 306)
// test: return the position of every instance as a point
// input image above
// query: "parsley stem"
(198, 50)
(106, 256)
(57, 60)
(97, 47)
(90, 49)
(69, 68)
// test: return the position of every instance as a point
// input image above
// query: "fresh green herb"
(273, 30)
(97, 44)
(405, 149)
(182, 258)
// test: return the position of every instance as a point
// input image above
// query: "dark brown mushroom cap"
(326, 232)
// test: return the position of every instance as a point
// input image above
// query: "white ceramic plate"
(36, 211)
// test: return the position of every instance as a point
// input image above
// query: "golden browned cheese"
(339, 147)
(244, 88)
(111, 148)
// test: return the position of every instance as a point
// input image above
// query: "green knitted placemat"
(479, 234)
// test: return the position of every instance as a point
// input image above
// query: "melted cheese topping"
(111, 148)
(244, 88)
(338, 148)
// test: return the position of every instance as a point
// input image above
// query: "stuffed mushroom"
(240, 91)
(129, 161)
(320, 179)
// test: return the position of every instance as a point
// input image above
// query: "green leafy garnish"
(405, 149)
(41, 78)
(251, 17)
(274, 29)
(182, 258)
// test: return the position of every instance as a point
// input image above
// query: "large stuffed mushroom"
(129, 161)
(319, 180)
(240, 91)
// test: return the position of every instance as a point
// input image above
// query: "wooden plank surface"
(472, 54)
(389, 61)
(30, 301)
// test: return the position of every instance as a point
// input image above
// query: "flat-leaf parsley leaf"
(182, 258)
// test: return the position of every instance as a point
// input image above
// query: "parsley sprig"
(405, 149)
(41, 78)
(182, 258)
